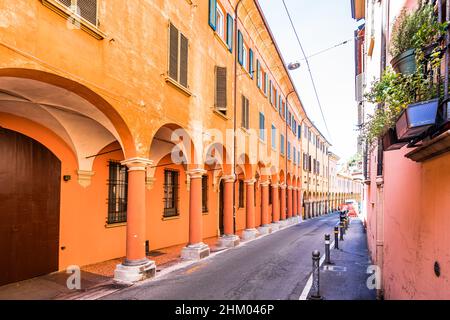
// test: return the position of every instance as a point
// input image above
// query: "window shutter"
(250, 62)
(88, 10)
(270, 91)
(184, 45)
(212, 14)
(67, 3)
(258, 74)
(240, 48)
(247, 108)
(221, 89)
(173, 52)
(230, 27)
(266, 83)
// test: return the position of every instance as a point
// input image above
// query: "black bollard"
(336, 237)
(315, 290)
(327, 249)
(341, 227)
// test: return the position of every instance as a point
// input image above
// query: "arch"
(70, 109)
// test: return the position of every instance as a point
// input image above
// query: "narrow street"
(274, 267)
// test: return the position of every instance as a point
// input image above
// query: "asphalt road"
(273, 267)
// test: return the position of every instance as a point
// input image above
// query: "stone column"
(136, 266)
(283, 204)
(265, 227)
(196, 249)
(294, 200)
(250, 232)
(229, 239)
(289, 203)
(275, 207)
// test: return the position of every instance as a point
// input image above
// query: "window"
(295, 155)
(289, 119)
(282, 144)
(266, 83)
(178, 56)
(220, 22)
(250, 63)
(258, 74)
(294, 127)
(221, 90)
(117, 193)
(245, 113)
(270, 92)
(171, 189)
(299, 131)
(298, 158)
(241, 194)
(274, 137)
(204, 194)
(244, 57)
(230, 23)
(289, 150)
(240, 48)
(262, 128)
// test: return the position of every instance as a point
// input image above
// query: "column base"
(249, 234)
(265, 229)
(131, 274)
(195, 252)
(229, 241)
(275, 226)
(283, 223)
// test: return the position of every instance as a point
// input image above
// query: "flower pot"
(405, 62)
(416, 119)
(390, 141)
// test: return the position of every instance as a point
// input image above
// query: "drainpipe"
(234, 111)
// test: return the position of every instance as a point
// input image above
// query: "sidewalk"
(346, 278)
(96, 279)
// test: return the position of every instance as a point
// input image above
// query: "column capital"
(283, 186)
(228, 179)
(265, 184)
(196, 173)
(137, 164)
(290, 188)
(275, 185)
(250, 181)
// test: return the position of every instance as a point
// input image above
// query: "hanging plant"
(393, 92)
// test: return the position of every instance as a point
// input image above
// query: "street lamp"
(294, 65)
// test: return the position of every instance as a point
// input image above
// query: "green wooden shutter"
(240, 48)
(213, 14)
(250, 62)
(230, 27)
(221, 89)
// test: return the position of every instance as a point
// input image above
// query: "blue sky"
(321, 24)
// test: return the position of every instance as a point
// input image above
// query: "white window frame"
(220, 22)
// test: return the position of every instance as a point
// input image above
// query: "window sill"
(178, 86)
(170, 218)
(66, 13)
(115, 225)
(205, 213)
(220, 114)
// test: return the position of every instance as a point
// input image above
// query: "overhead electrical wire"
(309, 68)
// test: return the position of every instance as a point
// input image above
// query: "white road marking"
(308, 285)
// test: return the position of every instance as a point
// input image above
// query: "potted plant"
(394, 93)
(415, 35)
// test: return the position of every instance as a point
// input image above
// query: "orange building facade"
(129, 126)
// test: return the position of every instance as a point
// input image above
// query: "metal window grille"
(204, 193)
(117, 193)
(86, 9)
(171, 190)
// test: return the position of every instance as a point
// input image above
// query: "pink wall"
(416, 227)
